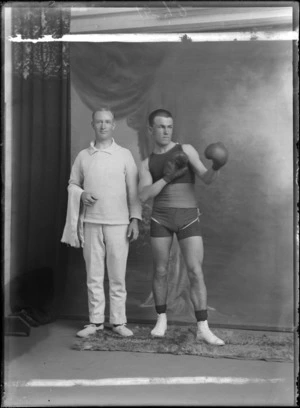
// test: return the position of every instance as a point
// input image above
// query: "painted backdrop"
(239, 93)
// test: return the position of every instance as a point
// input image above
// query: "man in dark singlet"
(168, 176)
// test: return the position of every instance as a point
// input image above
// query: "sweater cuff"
(136, 216)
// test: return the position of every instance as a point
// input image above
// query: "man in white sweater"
(106, 177)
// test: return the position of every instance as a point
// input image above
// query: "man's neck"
(103, 144)
(163, 149)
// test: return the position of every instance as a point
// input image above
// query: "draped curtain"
(119, 75)
(41, 164)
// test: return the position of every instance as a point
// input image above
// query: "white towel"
(73, 231)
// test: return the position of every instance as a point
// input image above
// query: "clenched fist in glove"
(218, 153)
(175, 167)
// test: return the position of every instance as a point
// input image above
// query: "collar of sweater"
(112, 148)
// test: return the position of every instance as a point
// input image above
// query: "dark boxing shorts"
(184, 222)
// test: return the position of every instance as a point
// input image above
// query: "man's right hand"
(173, 169)
(88, 199)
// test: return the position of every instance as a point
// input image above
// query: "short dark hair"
(158, 112)
(103, 109)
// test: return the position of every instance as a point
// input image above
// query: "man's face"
(162, 130)
(103, 125)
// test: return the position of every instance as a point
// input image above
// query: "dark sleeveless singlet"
(157, 162)
(179, 193)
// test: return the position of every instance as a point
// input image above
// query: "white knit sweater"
(111, 176)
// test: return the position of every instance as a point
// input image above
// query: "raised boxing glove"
(218, 153)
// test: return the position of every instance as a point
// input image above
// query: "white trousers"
(106, 244)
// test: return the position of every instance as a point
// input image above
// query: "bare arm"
(206, 175)
(148, 189)
(135, 208)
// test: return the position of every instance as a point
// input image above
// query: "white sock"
(204, 333)
(161, 325)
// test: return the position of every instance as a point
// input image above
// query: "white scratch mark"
(104, 382)
(173, 37)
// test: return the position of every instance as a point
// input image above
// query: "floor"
(171, 380)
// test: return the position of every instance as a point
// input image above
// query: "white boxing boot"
(204, 333)
(161, 325)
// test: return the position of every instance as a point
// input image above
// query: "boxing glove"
(175, 167)
(218, 153)
(180, 159)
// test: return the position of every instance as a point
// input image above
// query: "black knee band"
(201, 315)
(161, 309)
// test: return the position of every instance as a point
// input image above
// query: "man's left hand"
(133, 230)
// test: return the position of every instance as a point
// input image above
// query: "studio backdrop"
(239, 93)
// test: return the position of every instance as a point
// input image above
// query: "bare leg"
(192, 251)
(161, 247)
(161, 251)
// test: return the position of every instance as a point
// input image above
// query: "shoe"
(122, 330)
(204, 333)
(161, 326)
(89, 329)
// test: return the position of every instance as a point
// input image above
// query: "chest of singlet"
(158, 161)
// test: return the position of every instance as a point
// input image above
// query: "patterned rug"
(239, 344)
